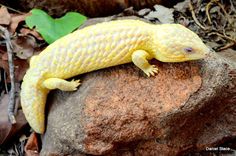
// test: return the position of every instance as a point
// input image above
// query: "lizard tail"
(33, 99)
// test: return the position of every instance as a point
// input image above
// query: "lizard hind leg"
(140, 59)
(56, 83)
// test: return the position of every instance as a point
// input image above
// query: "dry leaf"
(7, 130)
(182, 6)
(4, 56)
(24, 46)
(20, 68)
(5, 17)
(5, 126)
(25, 31)
(32, 146)
(15, 20)
(144, 12)
(163, 14)
(2, 48)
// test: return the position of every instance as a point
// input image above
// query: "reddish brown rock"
(186, 107)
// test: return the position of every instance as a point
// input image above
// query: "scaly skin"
(101, 46)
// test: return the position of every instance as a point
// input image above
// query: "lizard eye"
(188, 50)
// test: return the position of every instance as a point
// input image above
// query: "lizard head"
(176, 43)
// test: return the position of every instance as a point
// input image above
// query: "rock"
(119, 111)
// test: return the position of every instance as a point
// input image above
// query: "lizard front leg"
(56, 83)
(140, 59)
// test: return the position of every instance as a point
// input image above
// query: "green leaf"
(53, 29)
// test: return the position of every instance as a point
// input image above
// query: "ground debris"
(163, 14)
(21, 43)
(213, 20)
(5, 17)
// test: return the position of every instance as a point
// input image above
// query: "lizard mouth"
(196, 56)
(201, 55)
(163, 58)
(182, 58)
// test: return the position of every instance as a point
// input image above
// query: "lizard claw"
(75, 83)
(151, 71)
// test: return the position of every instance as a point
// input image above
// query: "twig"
(224, 36)
(199, 2)
(233, 41)
(194, 16)
(207, 11)
(5, 81)
(232, 6)
(227, 46)
(12, 9)
(219, 4)
(222, 7)
(11, 105)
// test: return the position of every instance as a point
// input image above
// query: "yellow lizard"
(101, 46)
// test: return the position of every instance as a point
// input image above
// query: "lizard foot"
(74, 84)
(151, 70)
(56, 83)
